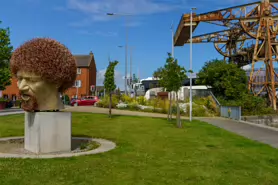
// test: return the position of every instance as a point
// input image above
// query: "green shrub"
(127, 99)
(154, 102)
(174, 110)
(66, 99)
(141, 100)
(133, 106)
(250, 105)
(253, 105)
(199, 111)
(208, 102)
(104, 102)
(3, 100)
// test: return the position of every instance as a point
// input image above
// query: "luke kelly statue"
(44, 69)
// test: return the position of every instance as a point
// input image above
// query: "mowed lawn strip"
(149, 151)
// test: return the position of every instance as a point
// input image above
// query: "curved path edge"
(105, 146)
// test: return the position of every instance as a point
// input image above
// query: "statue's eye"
(33, 80)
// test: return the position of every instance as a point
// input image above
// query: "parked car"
(87, 100)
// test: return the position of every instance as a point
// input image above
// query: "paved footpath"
(256, 133)
(115, 111)
(11, 111)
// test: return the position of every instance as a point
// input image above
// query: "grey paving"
(11, 113)
(256, 133)
(10, 110)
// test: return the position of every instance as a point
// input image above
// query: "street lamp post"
(172, 30)
(126, 45)
(131, 77)
(190, 102)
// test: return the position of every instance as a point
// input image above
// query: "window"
(77, 83)
(79, 71)
(5, 96)
(14, 97)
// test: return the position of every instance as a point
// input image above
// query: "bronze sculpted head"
(44, 69)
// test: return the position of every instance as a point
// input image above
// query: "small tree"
(109, 81)
(5, 55)
(161, 73)
(175, 75)
(171, 78)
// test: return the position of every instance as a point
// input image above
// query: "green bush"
(133, 106)
(141, 100)
(66, 99)
(198, 111)
(127, 99)
(174, 110)
(104, 102)
(3, 100)
(250, 105)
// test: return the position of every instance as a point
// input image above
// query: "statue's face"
(34, 91)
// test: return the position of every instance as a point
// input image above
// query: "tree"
(5, 55)
(109, 81)
(158, 72)
(171, 78)
(135, 79)
(227, 80)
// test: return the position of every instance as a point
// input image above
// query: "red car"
(87, 100)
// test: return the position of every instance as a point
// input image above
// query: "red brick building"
(86, 76)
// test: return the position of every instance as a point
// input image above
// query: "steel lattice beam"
(257, 21)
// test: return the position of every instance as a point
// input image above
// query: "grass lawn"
(149, 151)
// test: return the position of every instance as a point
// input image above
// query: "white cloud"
(101, 33)
(134, 7)
(96, 10)
(247, 67)
(106, 34)
(119, 79)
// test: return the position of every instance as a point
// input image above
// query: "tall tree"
(5, 55)
(109, 81)
(227, 80)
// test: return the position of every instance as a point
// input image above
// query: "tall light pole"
(131, 76)
(190, 102)
(126, 45)
(172, 30)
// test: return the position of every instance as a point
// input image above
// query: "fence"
(230, 112)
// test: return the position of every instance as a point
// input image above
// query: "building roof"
(84, 60)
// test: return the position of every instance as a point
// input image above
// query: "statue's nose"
(23, 86)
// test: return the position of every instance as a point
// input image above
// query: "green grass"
(149, 151)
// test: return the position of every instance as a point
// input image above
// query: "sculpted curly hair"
(47, 58)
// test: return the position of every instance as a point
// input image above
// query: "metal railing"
(232, 112)
(215, 99)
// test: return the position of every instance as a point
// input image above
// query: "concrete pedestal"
(47, 132)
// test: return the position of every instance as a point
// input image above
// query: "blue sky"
(83, 26)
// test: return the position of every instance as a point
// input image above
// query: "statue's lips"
(25, 97)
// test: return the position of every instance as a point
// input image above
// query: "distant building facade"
(259, 78)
